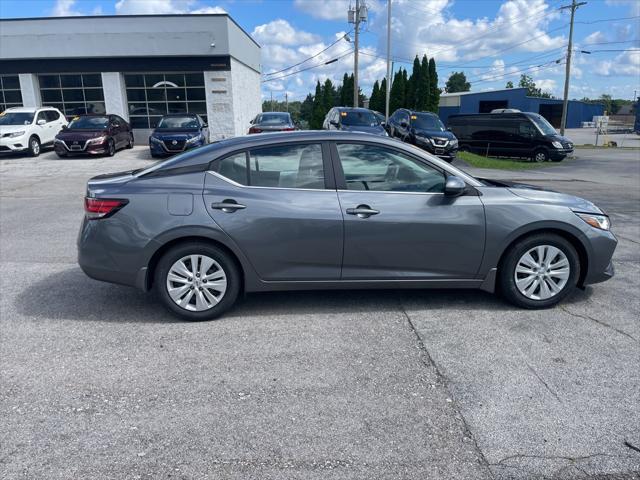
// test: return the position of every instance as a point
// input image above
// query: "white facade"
(116, 47)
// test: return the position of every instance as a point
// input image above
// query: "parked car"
(353, 119)
(272, 122)
(94, 135)
(333, 210)
(425, 130)
(176, 133)
(524, 135)
(28, 129)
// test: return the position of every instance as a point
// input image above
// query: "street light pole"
(355, 56)
(565, 103)
(388, 90)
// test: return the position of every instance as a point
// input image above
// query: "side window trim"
(341, 182)
(327, 165)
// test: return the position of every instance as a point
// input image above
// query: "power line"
(333, 60)
(310, 58)
(544, 66)
(607, 20)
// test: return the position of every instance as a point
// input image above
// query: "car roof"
(27, 109)
(354, 109)
(275, 113)
(185, 114)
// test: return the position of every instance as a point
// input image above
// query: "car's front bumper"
(600, 265)
(560, 153)
(446, 152)
(71, 148)
(14, 144)
(160, 150)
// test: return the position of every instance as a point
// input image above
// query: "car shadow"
(71, 295)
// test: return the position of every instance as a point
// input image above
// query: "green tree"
(424, 86)
(532, 91)
(318, 114)
(374, 100)
(306, 109)
(346, 91)
(413, 84)
(328, 96)
(383, 95)
(509, 84)
(396, 99)
(434, 91)
(457, 82)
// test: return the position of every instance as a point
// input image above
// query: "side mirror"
(42, 121)
(334, 123)
(64, 127)
(454, 186)
(449, 129)
(204, 125)
(404, 124)
(252, 121)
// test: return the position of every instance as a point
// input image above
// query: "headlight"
(15, 134)
(601, 222)
(57, 140)
(97, 140)
(557, 144)
(454, 143)
(193, 140)
(155, 140)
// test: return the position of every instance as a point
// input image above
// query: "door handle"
(362, 211)
(228, 206)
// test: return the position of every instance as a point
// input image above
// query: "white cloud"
(627, 64)
(281, 32)
(546, 84)
(64, 8)
(333, 9)
(595, 37)
(159, 7)
(634, 5)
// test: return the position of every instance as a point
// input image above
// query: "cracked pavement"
(98, 381)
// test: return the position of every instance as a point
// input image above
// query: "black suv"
(425, 130)
(353, 119)
(520, 134)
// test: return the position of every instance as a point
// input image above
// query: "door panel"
(287, 233)
(399, 224)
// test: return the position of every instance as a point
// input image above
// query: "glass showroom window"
(73, 94)
(10, 95)
(152, 95)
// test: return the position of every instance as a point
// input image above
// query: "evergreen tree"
(344, 92)
(374, 100)
(306, 109)
(328, 95)
(457, 82)
(434, 91)
(396, 99)
(383, 96)
(413, 85)
(509, 84)
(422, 90)
(318, 114)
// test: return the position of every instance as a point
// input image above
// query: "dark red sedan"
(94, 135)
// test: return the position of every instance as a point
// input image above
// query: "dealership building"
(517, 98)
(138, 67)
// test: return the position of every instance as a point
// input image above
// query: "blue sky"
(492, 41)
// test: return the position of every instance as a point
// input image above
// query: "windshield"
(543, 125)
(178, 122)
(359, 119)
(274, 119)
(16, 118)
(89, 123)
(427, 122)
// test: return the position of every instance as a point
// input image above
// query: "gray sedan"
(333, 210)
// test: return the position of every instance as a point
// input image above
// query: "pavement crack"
(628, 239)
(500, 462)
(428, 361)
(599, 322)
(546, 385)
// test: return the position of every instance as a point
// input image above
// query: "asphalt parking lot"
(98, 381)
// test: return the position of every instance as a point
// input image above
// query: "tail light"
(102, 207)
(255, 130)
(288, 129)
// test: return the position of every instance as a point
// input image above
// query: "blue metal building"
(484, 102)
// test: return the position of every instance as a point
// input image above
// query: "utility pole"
(286, 100)
(356, 16)
(565, 103)
(388, 91)
(272, 100)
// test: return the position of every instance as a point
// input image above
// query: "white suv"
(29, 128)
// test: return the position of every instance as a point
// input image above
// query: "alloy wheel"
(35, 147)
(196, 283)
(542, 272)
(540, 157)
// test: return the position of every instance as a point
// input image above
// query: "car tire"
(34, 146)
(111, 148)
(528, 282)
(540, 156)
(177, 262)
(131, 141)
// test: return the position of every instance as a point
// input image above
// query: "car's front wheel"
(539, 271)
(541, 156)
(34, 146)
(111, 147)
(197, 281)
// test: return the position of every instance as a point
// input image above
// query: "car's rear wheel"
(539, 271)
(197, 281)
(540, 156)
(34, 146)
